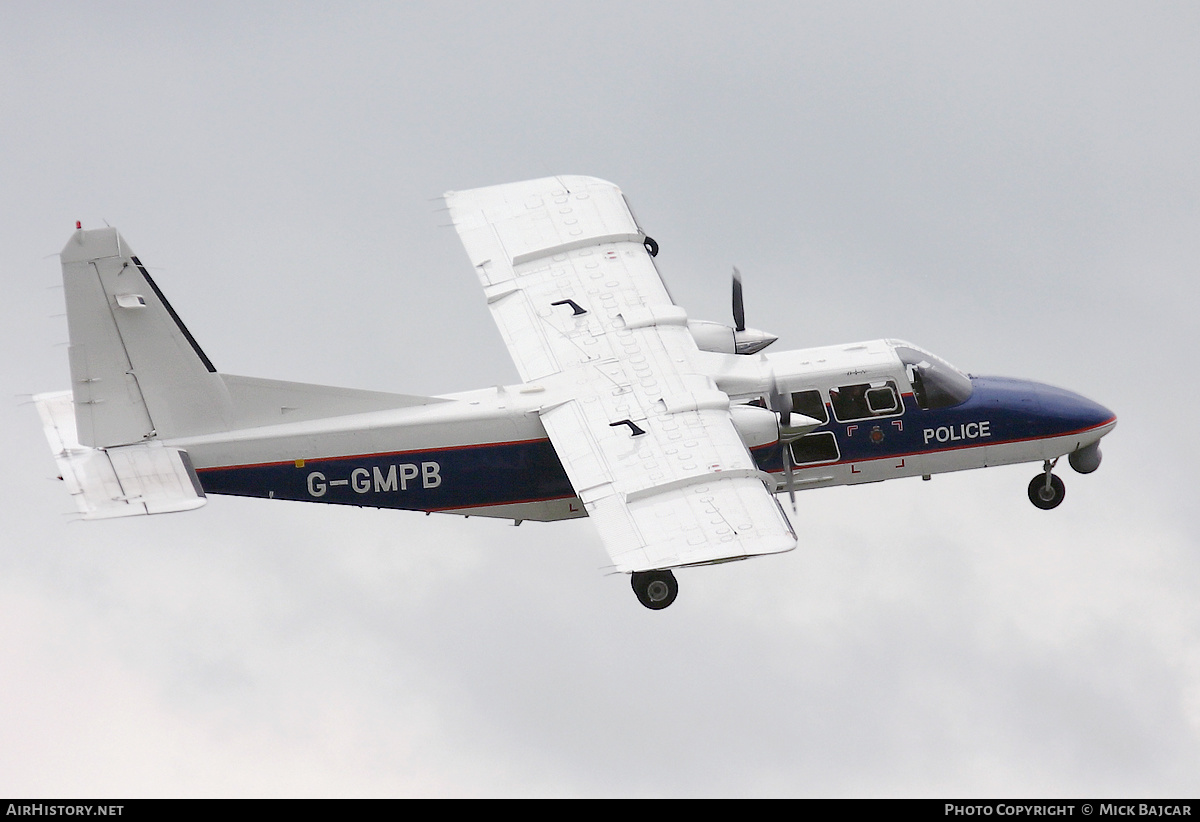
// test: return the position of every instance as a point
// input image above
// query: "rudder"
(136, 371)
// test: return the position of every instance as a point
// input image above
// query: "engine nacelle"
(711, 336)
(724, 339)
(756, 426)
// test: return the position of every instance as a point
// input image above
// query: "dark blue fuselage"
(999, 412)
(431, 480)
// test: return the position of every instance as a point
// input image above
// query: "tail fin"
(138, 377)
(136, 371)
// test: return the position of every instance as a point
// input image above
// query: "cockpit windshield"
(936, 383)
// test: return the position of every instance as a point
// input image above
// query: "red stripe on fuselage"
(368, 456)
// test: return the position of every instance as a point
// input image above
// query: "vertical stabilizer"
(136, 371)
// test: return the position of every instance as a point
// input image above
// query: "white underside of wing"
(644, 436)
(659, 506)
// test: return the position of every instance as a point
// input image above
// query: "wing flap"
(718, 519)
(524, 333)
(661, 507)
(580, 454)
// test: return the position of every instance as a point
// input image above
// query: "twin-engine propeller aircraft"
(672, 435)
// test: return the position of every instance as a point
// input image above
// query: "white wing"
(645, 437)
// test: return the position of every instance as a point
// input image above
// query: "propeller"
(739, 309)
(751, 341)
(746, 340)
(781, 403)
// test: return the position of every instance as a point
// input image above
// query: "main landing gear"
(655, 589)
(1046, 491)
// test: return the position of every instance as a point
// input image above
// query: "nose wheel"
(655, 589)
(1046, 490)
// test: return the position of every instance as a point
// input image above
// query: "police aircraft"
(672, 435)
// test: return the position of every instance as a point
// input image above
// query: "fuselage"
(889, 409)
(886, 410)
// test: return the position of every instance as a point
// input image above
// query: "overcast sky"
(1015, 186)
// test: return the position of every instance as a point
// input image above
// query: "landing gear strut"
(1046, 491)
(655, 589)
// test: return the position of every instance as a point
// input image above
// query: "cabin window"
(865, 400)
(882, 400)
(810, 404)
(820, 447)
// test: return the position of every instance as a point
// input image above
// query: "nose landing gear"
(1046, 490)
(655, 589)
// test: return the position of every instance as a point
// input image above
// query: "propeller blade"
(739, 309)
(787, 472)
(780, 402)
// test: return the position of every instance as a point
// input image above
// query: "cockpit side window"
(936, 383)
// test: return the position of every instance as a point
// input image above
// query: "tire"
(1045, 498)
(655, 589)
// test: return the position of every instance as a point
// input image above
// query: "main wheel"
(1043, 497)
(651, 246)
(655, 589)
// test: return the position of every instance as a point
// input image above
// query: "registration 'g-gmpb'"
(673, 435)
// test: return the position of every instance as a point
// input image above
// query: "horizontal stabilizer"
(123, 481)
(258, 401)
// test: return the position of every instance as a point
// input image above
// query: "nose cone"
(1039, 410)
(751, 340)
(1075, 413)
